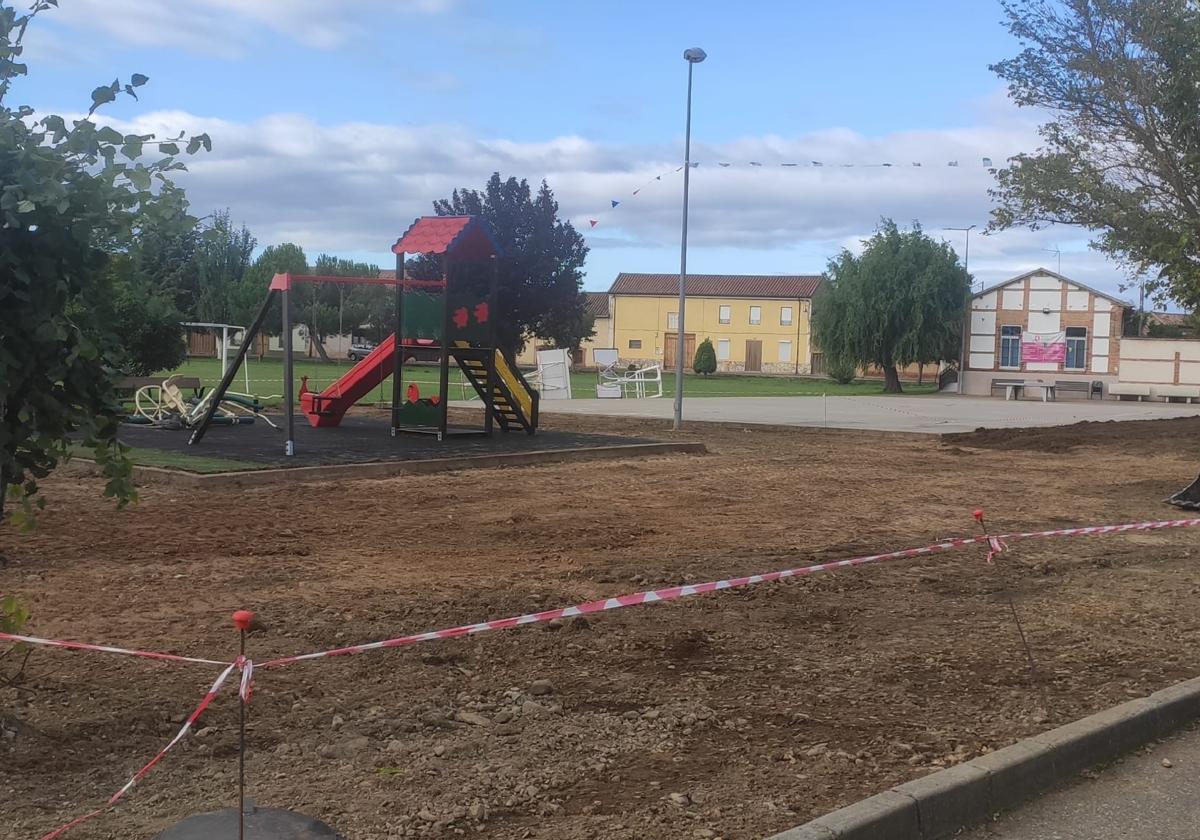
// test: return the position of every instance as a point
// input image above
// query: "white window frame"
(785, 320)
(673, 320)
(1020, 334)
(785, 345)
(725, 314)
(723, 349)
(755, 316)
(1082, 354)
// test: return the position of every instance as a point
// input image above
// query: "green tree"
(541, 271)
(901, 302)
(337, 309)
(70, 195)
(220, 258)
(145, 320)
(705, 361)
(1120, 155)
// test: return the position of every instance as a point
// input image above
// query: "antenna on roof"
(1058, 254)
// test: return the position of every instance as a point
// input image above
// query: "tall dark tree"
(1120, 153)
(900, 303)
(541, 272)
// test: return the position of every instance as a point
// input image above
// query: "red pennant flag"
(481, 312)
(593, 222)
(460, 317)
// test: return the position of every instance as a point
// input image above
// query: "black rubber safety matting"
(357, 440)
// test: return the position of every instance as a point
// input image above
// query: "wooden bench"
(1187, 393)
(1080, 386)
(1129, 389)
(1013, 388)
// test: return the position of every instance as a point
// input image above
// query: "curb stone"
(942, 803)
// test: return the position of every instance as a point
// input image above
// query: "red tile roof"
(783, 286)
(596, 304)
(462, 237)
(1170, 319)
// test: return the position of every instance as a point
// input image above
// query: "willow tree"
(900, 302)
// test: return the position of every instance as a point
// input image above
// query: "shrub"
(705, 361)
(841, 371)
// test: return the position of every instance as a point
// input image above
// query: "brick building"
(1042, 325)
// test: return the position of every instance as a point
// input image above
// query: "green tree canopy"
(541, 271)
(1121, 151)
(901, 302)
(220, 258)
(71, 194)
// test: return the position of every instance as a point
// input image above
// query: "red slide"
(326, 409)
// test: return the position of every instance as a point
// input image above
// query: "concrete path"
(1138, 798)
(935, 414)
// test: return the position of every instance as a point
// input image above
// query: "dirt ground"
(730, 715)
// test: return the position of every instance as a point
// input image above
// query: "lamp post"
(966, 332)
(692, 56)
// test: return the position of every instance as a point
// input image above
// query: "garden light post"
(693, 57)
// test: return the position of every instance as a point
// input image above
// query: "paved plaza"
(935, 414)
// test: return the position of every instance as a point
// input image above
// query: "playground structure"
(165, 405)
(616, 382)
(454, 315)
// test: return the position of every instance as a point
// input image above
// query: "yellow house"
(597, 305)
(757, 322)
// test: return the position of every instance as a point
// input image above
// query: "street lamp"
(966, 332)
(692, 56)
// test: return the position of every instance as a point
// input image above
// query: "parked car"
(360, 350)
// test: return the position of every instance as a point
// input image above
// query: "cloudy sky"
(334, 124)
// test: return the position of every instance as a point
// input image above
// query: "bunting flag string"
(985, 163)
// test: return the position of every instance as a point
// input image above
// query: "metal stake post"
(244, 620)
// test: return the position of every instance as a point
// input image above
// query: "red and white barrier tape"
(995, 545)
(179, 736)
(144, 654)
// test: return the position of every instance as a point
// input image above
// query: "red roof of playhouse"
(782, 286)
(461, 237)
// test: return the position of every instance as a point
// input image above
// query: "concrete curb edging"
(390, 469)
(938, 805)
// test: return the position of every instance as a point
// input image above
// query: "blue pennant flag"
(614, 202)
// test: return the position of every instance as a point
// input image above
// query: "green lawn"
(266, 380)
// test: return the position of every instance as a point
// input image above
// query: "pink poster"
(1044, 347)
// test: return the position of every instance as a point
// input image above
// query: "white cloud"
(228, 28)
(353, 187)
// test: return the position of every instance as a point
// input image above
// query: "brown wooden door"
(753, 356)
(671, 344)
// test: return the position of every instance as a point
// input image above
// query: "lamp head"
(694, 55)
